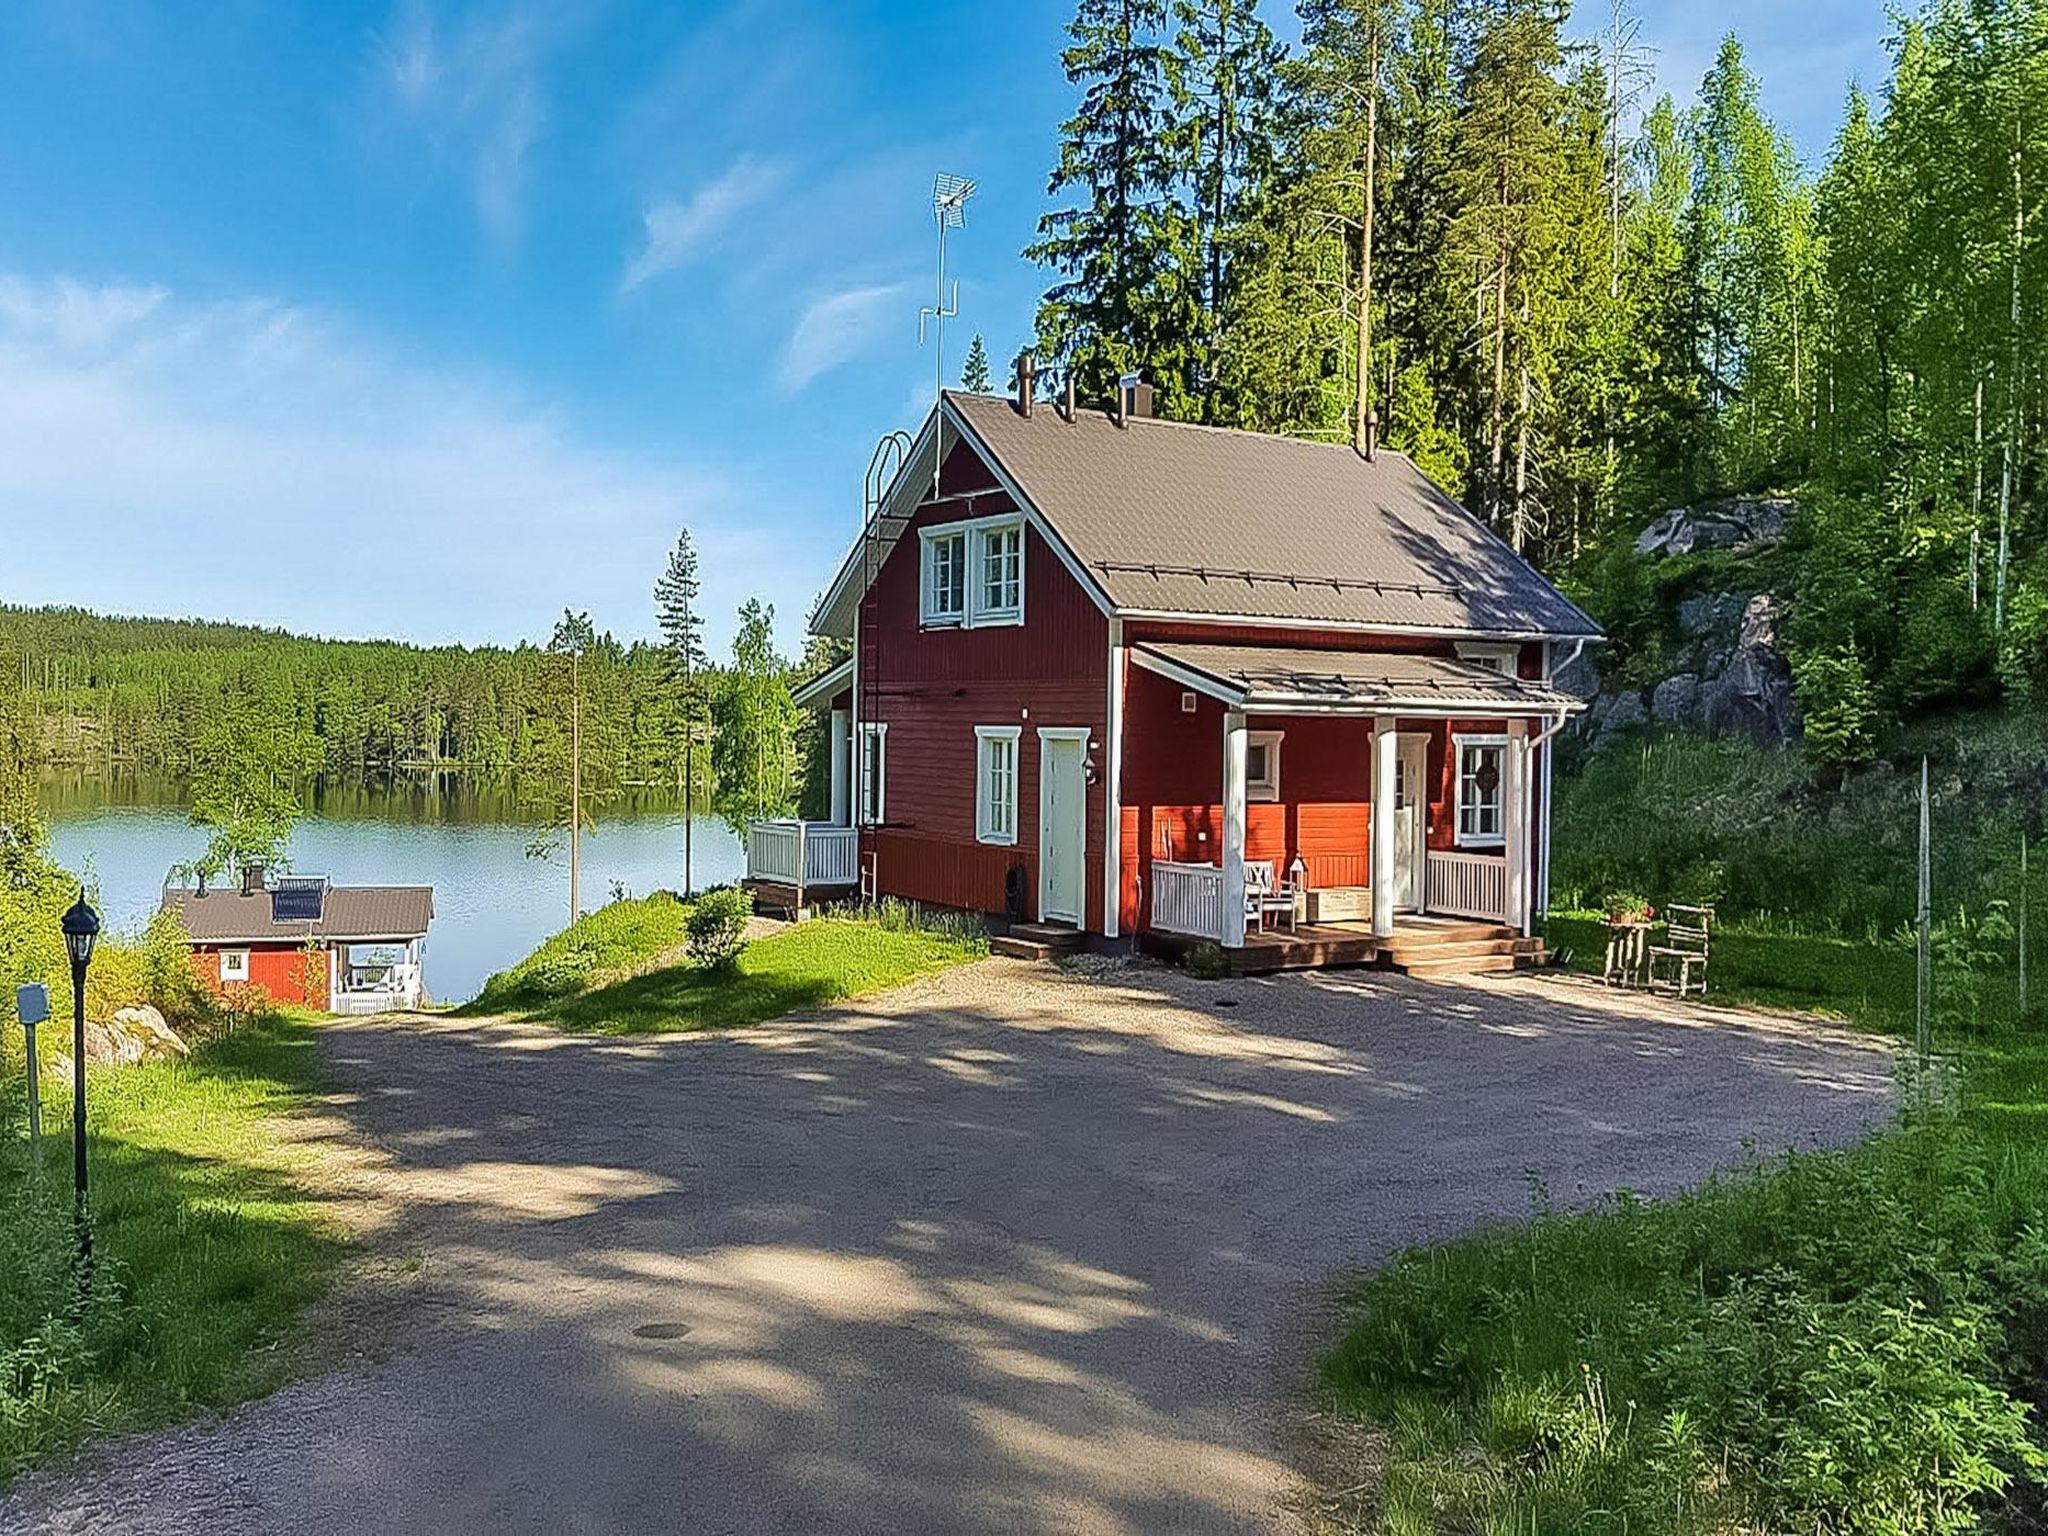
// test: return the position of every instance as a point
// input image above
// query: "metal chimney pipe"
(1372, 434)
(1027, 383)
(1071, 407)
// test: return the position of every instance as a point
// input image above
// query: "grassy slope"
(207, 1240)
(619, 972)
(1833, 1342)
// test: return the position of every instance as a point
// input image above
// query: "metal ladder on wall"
(891, 454)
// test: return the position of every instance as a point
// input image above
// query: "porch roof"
(1273, 677)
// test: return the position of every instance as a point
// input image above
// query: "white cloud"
(832, 330)
(473, 90)
(265, 461)
(676, 230)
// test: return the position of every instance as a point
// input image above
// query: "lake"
(492, 904)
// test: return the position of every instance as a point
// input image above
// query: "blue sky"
(427, 318)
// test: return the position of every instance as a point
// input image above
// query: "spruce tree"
(974, 373)
(1102, 315)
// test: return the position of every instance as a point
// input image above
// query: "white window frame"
(871, 806)
(995, 820)
(229, 976)
(983, 543)
(1461, 744)
(976, 536)
(1503, 657)
(1267, 785)
(929, 612)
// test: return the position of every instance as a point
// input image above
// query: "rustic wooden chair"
(1265, 894)
(1687, 939)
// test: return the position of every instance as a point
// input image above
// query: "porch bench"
(1340, 904)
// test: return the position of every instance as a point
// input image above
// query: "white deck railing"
(803, 853)
(1187, 898)
(378, 989)
(1467, 885)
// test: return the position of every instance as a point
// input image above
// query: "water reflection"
(491, 903)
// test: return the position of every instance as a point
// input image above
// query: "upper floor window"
(945, 578)
(1503, 659)
(972, 573)
(1002, 572)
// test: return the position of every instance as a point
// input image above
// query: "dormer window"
(972, 573)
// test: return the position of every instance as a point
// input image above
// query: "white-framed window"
(995, 783)
(874, 771)
(971, 573)
(943, 582)
(1262, 765)
(1496, 656)
(1482, 773)
(234, 966)
(1001, 598)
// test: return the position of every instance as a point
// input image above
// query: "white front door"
(1411, 815)
(1062, 825)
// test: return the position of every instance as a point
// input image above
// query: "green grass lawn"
(207, 1239)
(1841, 1342)
(645, 986)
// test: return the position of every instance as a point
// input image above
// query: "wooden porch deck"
(1420, 946)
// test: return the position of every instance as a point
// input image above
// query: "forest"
(1576, 307)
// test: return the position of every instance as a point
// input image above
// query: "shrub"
(717, 928)
(1205, 961)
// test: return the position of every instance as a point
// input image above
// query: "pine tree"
(682, 630)
(1102, 316)
(974, 373)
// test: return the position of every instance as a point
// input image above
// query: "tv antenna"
(949, 211)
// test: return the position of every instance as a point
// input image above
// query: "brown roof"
(357, 912)
(1173, 518)
(1275, 677)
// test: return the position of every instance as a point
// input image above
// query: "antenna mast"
(949, 211)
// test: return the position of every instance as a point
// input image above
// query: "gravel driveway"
(1007, 1250)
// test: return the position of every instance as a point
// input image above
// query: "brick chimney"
(252, 879)
(1133, 397)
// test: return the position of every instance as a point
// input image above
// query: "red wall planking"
(933, 687)
(279, 969)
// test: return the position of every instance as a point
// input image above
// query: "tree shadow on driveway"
(1005, 1250)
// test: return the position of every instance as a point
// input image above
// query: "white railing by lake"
(1468, 884)
(378, 989)
(1187, 898)
(803, 853)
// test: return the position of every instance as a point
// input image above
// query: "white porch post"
(1235, 740)
(1385, 744)
(842, 749)
(1514, 811)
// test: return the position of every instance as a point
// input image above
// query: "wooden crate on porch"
(1340, 904)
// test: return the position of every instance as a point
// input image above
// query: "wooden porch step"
(1039, 941)
(1399, 950)
(1525, 955)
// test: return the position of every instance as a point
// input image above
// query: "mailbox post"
(32, 1005)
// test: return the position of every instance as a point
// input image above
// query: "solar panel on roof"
(298, 900)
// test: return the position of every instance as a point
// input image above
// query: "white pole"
(1235, 742)
(1922, 1028)
(1385, 744)
(2023, 927)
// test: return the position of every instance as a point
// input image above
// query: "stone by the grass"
(134, 1034)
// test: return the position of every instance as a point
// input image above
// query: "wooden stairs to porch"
(1427, 947)
(1039, 941)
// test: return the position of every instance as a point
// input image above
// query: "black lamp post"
(81, 929)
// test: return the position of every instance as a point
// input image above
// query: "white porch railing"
(803, 853)
(1467, 885)
(378, 989)
(1187, 898)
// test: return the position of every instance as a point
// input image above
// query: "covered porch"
(792, 862)
(1392, 801)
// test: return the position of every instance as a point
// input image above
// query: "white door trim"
(1050, 737)
(1413, 747)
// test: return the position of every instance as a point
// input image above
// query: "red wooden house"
(300, 939)
(1104, 665)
